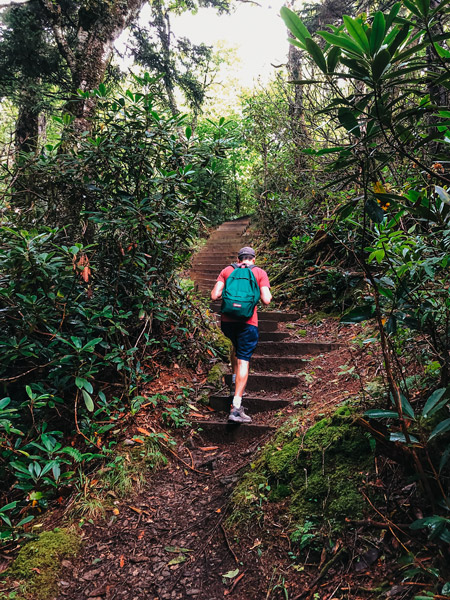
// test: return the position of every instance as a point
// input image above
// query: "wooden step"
(272, 336)
(276, 364)
(252, 403)
(268, 382)
(266, 348)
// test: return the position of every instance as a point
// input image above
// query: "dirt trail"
(168, 541)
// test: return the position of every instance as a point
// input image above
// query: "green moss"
(247, 494)
(215, 376)
(319, 470)
(222, 344)
(38, 563)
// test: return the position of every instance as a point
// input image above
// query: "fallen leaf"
(116, 511)
(141, 535)
(122, 561)
(176, 549)
(144, 431)
(219, 510)
(208, 448)
(231, 574)
(177, 560)
(138, 510)
(198, 415)
(138, 440)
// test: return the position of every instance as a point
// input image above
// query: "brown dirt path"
(167, 542)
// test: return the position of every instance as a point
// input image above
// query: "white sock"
(237, 402)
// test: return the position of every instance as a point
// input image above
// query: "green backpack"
(241, 293)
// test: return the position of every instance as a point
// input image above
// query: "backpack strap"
(238, 266)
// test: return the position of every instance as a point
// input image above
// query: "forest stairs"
(277, 357)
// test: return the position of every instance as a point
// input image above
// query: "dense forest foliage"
(109, 181)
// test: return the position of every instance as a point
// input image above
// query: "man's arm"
(216, 292)
(266, 296)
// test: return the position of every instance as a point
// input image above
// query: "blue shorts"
(243, 336)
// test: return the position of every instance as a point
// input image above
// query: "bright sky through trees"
(257, 32)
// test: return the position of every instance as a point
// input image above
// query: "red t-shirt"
(262, 280)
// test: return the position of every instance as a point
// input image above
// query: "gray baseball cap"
(246, 251)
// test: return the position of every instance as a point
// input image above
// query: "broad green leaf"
(413, 7)
(392, 14)
(423, 5)
(443, 427)
(433, 401)
(378, 31)
(357, 32)
(25, 521)
(400, 437)
(8, 506)
(348, 120)
(317, 54)
(374, 211)
(407, 408)
(4, 403)
(294, 24)
(442, 51)
(443, 194)
(380, 63)
(296, 43)
(359, 314)
(88, 400)
(378, 413)
(333, 58)
(342, 41)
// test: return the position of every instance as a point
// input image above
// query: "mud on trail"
(169, 541)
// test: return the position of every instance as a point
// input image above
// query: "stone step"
(268, 348)
(252, 404)
(276, 364)
(268, 382)
(222, 431)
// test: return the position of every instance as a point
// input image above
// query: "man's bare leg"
(243, 367)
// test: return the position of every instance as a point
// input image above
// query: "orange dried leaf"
(138, 440)
(138, 510)
(209, 448)
(144, 431)
(122, 561)
(116, 511)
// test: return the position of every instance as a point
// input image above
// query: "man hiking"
(241, 330)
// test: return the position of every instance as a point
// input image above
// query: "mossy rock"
(38, 563)
(215, 375)
(319, 471)
(222, 344)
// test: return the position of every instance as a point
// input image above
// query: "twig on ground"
(228, 544)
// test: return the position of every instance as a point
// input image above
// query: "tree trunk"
(99, 25)
(28, 119)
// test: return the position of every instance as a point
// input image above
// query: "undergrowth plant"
(385, 79)
(93, 239)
